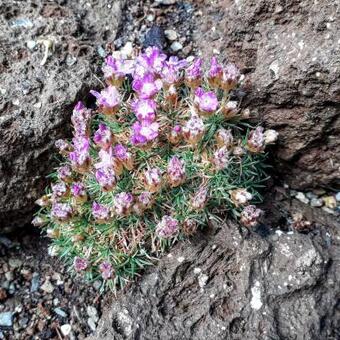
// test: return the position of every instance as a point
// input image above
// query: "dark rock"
(31, 122)
(290, 52)
(155, 37)
(232, 287)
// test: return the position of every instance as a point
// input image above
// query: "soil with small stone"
(39, 298)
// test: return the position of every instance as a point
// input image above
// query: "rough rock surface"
(226, 285)
(291, 53)
(36, 100)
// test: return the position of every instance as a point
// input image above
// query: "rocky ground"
(197, 294)
(39, 299)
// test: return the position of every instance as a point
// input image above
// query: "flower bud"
(61, 212)
(44, 201)
(240, 197)
(64, 147)
(103, 137)
(122, 155)
(152, 179)
(224, 138)
(106, 270)
(53, 233)
(175, 135)
(231, 75)
(193, 130)
(250, 216)
(143, 202)
(238, 151)
(80, 264)
(215, 73)
(199, 200)
(123, 203)
(193, 74)
(221, 158)
(78, 191)
(65, 174)
(256, 141)
(230, 109)
(39, 221)
(101, 213)
(176, 172)
(59, 190)
(189, 227)
(106, 177)
(167, 228)
(108, 100)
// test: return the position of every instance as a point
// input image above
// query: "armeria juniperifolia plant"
(164, 152)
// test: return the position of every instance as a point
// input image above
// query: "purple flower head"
(123, 203)
(144, 109)
(103, 137)
(59, 190)
(231, 75)
(121, 152)
(106, 270)
(206, 101)
(106, 157)
(170, 75)
(224, 138)
(145, 199)
(79, 106)
(175, 134)
(78, 189)
(176, 171)
(199, 200)
(167, 227)
(216, 70)
(100, 212)
(63, 146)
(250, 216)
(144, 132)
(80, 157)
(108, 99)
(117, 69)
(146, 86)
(152, 179)
(79, 264)
(80, 119)
(106, 177)
(61, 211)
(152, 60)
(176, 63)
(221, 158)
(64, 173)
(193, 73)
(194, 129)
(256, 140)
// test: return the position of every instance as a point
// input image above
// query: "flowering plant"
(164, 151)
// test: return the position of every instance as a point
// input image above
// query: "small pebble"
(35, 282)
(302, 198)
(15, 263)
(66, 329)
(311, 195)
(316, 202)
(202, 280)
(91, 324)
(6, 319)
(60, 312)
(337, 196)
(328, 210)
(31, 44)
(47, 287)
(176, 46)
(92, 313)
(171, 35)
(166, 2)
(97, 284)
(330, 202)
(150, 18)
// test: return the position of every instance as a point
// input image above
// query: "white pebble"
(176, 46)
(66, 329)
